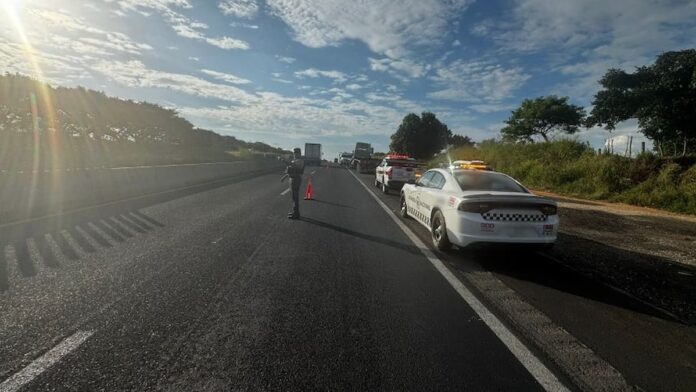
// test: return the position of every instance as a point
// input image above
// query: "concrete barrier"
(26, 194)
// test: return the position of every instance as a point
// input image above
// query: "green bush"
(574, 168)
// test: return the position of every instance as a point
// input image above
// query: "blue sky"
(287, 72)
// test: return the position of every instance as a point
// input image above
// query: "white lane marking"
(313, 171)
(533, 365)
(285, 192)
(41, 364)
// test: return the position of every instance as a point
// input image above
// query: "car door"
(432, 195)
(414, 198)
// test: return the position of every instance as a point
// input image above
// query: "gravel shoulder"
(648, 253)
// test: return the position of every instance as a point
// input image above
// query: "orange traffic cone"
(310, 192)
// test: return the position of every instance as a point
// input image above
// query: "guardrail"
(27, 194)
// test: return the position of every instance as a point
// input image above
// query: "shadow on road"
(591, 270)
(395, 244)
(65, 240)
(332, 203)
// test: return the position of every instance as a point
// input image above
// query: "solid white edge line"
(39, 365)
(533, 365)
(285, 192)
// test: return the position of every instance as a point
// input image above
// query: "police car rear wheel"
(404, 208)
(439, 232)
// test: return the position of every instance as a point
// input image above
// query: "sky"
(336, 72)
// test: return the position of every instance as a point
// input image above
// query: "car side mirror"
(412, 182)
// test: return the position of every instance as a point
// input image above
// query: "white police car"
(395, 170)
(470, 204)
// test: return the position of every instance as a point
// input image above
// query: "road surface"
(212, 288)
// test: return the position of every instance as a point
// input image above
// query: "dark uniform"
(294, 171)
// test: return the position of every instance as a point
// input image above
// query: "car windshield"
(486, 181)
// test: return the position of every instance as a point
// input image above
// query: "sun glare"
(12, 10)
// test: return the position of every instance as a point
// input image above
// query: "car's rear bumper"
(471, 228)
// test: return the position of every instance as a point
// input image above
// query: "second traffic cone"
(309, 194)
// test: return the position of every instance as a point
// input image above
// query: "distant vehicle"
(362, 160)
(346, 158)
(312, 154)
(394, 171)
(335, 160)
(466, 206)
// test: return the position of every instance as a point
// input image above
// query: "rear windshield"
(486, 181)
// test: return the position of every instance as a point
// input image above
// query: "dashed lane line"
(533, 365)
(41, 364)
(285, 192)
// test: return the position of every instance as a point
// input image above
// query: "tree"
(420, 137)
(541, 117)
(662, 96)
(460, 141)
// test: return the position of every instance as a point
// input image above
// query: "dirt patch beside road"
(648, 253)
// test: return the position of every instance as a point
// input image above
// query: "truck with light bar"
(362, 160)
(395, 170)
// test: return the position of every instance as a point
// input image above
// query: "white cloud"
(477, 81)
(316, 73)
(226, 77)
(456, 43)
(181, 24)
(491, 107)
(245, 25)
(398, 67)
(585, 38)
(286, 59)
(135, 74)
(239, 8)
(228, 43)
(353, 86)
(395, 29)
(387, 27)
(193, 58)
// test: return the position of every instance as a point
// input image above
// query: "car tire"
(438, 232)
(385, 188)
(403, 208)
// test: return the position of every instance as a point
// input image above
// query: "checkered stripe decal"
(418, 215)
(507, 217)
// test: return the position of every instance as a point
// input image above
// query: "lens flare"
(41, 104)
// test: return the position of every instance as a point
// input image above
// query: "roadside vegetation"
(43, 127)
(573, 168)
(535, 145)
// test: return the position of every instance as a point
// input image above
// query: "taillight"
(389, 172)
(478, 208)
(548, 209)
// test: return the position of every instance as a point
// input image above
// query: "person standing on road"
(295, 170)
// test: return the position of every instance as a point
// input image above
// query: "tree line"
(661, 96)
(43, 126)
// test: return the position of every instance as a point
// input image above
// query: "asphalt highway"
(213, 288)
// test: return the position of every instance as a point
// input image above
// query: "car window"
(425, 180)
(438, 181)
(486, 181)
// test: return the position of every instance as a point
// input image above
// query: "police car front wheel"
(404, 208)
(439, 232)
